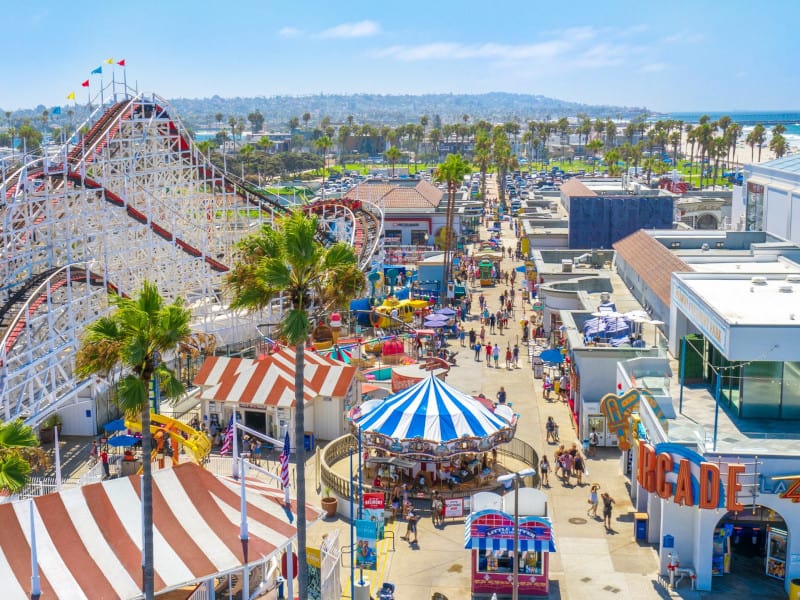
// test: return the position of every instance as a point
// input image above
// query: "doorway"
(256, 420)
(750, 546)
(598, 423)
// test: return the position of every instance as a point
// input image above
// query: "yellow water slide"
(196, 442)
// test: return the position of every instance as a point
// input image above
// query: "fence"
(516, 450)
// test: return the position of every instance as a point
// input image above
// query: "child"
(593, 501)
(544, 469)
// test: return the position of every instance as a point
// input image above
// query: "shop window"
(790, 406)
(502, 561)
(393, 237)
(418, 237)
(761, 390)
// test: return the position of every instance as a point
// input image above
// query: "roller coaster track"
(131, 199)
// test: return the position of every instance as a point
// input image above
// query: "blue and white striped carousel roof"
(431, 410)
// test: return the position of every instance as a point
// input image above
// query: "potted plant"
(329, 504)
(46, 435)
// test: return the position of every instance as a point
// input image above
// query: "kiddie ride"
(166, 430)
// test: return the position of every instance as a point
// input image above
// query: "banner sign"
(453, 508)
(366, 544)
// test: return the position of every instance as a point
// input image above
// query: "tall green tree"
(134, 338)
(256, 120)
(451, 172)
(288, 261)
(393, 155)
(324, 144)
(19, 451)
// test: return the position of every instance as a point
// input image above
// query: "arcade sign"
(674, 471)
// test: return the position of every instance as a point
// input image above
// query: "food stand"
(490, 535)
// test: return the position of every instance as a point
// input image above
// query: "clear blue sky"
(668, 56)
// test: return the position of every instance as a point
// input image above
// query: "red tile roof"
(575, 187)
(654, 263)
(399, 195)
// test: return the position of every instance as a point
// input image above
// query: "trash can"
(794, 589)
(538, 368)
(640, 526)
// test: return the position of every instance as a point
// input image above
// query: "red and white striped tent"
(270, 380)
(88, 539)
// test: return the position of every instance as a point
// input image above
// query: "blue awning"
(482, 543)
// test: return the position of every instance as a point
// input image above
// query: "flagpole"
(125, 80)
(235, 446)
(36, 589)
(101, 89)
(113, 84)
(57, 454)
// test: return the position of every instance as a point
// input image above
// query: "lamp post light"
(515, 477)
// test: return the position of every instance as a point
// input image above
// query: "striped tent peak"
(434, 411)
(89, 538)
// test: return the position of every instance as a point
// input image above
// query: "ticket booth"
(490, 536)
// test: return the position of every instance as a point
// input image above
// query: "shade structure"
(122, 441)
(448, 312)
(89, 538)
(432, 418)
(115, 425)
(552, 356)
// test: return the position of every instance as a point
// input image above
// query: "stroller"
(387, 591)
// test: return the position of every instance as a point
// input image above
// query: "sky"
(695, 55)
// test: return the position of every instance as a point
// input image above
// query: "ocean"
(748, 119)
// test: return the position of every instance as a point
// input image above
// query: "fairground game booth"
(489, 534)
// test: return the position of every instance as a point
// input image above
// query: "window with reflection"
(502, 561)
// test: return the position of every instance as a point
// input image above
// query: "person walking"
(492, 322)
(461, 336)
(594, 439)
(578, 466)
(483, 335)
(437, 510)
(104, 460)
(93, 452)
(550, 428)
(496, 356)
(501, 395)
(411, 527)
(515, 356)
(477, 347)
(489, 354)
(509, 357)
(544, 469)
(472, 337)
(593, 500)
(608, 503)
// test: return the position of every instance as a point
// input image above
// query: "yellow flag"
(71, 96)
(110, 61)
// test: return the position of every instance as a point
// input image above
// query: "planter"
(47, 436)
(330, 505)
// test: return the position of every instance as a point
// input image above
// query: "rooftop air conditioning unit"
(566, 266)
(786, 289)
(793, 278)
(759, 280)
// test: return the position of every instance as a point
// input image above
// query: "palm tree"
(324, 144)
(760, 136)
(451, 172)
(393, 154)
(288, 261)
(778, 144)
(19, 451)
(306, 119)
(218, 118)
(594, 147)
(483, 157)
(134, 337)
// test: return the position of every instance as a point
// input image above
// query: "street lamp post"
(515, 477)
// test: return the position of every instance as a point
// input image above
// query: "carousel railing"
(340, 448)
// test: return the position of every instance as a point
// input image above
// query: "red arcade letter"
(733, 488)
(709, 485)
(663, 467)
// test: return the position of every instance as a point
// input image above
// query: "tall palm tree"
(760, 136)
(288, 260)
(451, 172)
(134, 338)
(324, 144)
(393, 154)
(19, 451)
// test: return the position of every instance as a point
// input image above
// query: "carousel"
(448, 437)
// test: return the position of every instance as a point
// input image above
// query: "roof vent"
(786, 289)
(793, 278)
(704, 247)
(759, 281)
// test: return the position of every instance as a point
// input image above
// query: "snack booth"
(490, 535)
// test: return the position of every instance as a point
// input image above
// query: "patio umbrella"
(122, 441)
(115, 425)
(520, 269)
(436, 321)
(552, 356)
(445, 311)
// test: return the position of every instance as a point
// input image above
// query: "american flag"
(285, 462)
(227, 441)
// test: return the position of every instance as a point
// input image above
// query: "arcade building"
(716, 482)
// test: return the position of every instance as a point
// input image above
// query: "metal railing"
(340, 448)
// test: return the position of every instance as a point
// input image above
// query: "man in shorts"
(593, 441)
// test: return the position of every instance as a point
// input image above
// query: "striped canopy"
(494, 530)
(89, 538)
(434, 411)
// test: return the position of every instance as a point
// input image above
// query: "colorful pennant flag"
(98, 70)
(109, 61)
(71, 96)
(56, 111)
(85, 83)
(284, 460)
(121, 63)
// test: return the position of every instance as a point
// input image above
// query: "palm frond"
(15, 434)
(14, 472)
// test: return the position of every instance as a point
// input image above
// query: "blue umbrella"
(552, 356)
(120, 441)
(445, 311)
(520, 269)
(115, 425)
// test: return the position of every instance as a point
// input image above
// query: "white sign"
(453, 508)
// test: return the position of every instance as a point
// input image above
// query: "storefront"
(489, 534)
